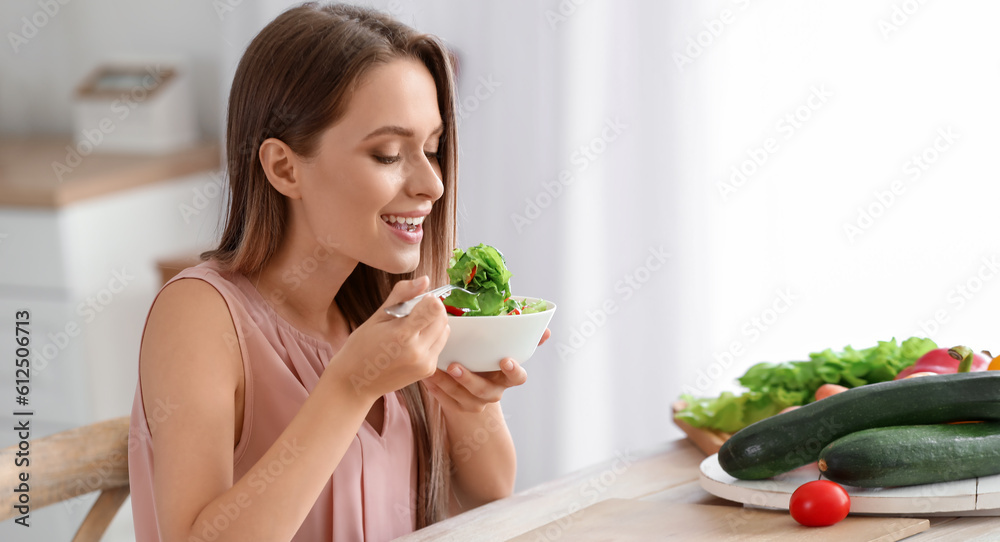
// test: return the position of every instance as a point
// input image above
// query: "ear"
(280, 164)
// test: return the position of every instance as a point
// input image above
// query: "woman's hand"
(461, 390)
(386, 353)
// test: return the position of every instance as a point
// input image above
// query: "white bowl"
(479, 343)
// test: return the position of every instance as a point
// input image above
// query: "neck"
(302, 279)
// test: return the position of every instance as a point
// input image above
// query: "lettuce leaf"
(775, 386)
(538, 305)
(481, 269)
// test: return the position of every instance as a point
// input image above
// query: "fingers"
(447, 402)
(473, 391)
(407, 289)
(439, 340)
(429, 316)
(510, 374)
(424, 332)
(461, 396)
(545, 336)
(513, 372)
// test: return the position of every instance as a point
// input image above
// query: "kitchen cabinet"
(78, 250)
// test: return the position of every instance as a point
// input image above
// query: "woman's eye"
(387, 159)
(432, 155)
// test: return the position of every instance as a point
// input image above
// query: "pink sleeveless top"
(371, 495)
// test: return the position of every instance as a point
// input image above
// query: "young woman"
(276, 401)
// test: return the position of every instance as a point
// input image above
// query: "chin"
(400, 266)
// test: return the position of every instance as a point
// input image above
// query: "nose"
(424, 180)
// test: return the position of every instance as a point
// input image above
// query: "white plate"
(972, 497)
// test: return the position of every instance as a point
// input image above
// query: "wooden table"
(666, 474)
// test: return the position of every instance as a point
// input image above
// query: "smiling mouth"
(408, 223)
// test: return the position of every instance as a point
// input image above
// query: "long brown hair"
(293, 82)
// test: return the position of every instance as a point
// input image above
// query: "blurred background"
(699, 186)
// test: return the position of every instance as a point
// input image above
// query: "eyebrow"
(399, 131)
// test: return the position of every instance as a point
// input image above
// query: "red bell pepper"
(452, 310)
(940, 362)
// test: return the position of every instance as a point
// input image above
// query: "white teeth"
(409, 220)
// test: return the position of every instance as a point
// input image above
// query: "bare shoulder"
(190, 350)
(189, 303)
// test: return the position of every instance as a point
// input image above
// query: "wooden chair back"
(69, 464)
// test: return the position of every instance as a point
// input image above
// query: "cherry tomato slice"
(819, 503)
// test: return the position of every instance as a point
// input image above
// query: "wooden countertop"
(667, 474)
(43, 172)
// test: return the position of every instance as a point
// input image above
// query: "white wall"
(895, 82)
(38, 78)
(881, 95)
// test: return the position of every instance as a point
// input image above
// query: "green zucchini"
(781, 443)
(909, 455)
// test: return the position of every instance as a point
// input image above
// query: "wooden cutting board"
(625, 520)
(707, 440)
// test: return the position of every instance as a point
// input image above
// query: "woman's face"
(375, 174)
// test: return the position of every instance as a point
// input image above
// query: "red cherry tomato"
(819, 503)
